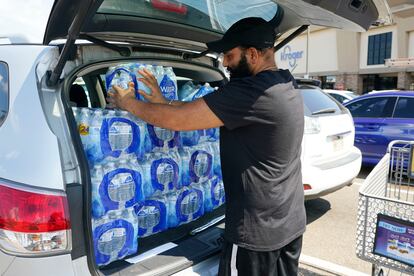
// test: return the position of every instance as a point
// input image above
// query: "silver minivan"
(45, 182)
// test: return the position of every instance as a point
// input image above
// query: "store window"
(379, 48)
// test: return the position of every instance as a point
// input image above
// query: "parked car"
(330, 160)
(45, 182)
(341, 96)
(380, 118)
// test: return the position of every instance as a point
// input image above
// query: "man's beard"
(241, 70)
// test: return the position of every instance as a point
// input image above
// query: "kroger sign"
(292, 57)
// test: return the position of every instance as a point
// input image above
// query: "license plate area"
(337, 142)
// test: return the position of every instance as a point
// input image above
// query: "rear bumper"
(329, 175)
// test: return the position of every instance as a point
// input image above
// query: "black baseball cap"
(251, 31)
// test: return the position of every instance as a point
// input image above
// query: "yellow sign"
(83, 129)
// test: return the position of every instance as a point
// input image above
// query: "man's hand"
(120, 98)
(151, 82)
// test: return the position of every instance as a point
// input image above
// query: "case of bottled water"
(197, 164)
(115, 236)
(189, 205)
(110, 135)
(121, 186)
(121, 135)
(121, 76)
(152, 215)
(161, 172)
(161, 139)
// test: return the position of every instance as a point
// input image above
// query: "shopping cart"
(386, 210)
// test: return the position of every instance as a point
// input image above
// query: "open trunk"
(196, 240)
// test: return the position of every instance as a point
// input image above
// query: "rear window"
(4, 91)
(215, 16)
(317, 103)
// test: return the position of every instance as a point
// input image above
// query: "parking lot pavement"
(331, 229)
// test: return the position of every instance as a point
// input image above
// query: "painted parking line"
(329, 267)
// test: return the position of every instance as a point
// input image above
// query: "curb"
(329, 267)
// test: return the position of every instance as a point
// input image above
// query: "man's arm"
(176, 116)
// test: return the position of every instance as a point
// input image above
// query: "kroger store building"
(381, 58)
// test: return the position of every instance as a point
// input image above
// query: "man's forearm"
(162, 115)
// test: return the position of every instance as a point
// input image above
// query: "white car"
(341, 96)
(330, 160)
(46, 193)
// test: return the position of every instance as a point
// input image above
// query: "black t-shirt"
(260, 146)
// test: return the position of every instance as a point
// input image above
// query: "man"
(261, 118)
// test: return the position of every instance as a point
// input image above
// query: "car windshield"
(316, 103)
(215, 16)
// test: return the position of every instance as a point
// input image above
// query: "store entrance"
(377, 82)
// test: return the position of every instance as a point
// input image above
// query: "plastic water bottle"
(95, 152)
(159, 73)
(140, 84)
(96, 179)
(120, 135)
(139, 136)
(218, 193)
(115, 236)
(165, 171)
(152, 215)
(120, 76)
(189, 138)
(122, 186)
(162, 139)
(190, 205)
(185, 155)
(215, 150)
(201, 163)
(188, 90)
(83, 127)
(172, 218)
(202, 91)
(168, 84)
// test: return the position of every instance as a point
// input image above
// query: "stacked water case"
(145, 179)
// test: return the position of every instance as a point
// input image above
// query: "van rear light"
(307, 187)
(33, 222)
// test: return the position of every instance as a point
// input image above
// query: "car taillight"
(307, 187)
(312, 125)
(169, 6)
(33, 222)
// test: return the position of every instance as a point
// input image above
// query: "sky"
(24, 20)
